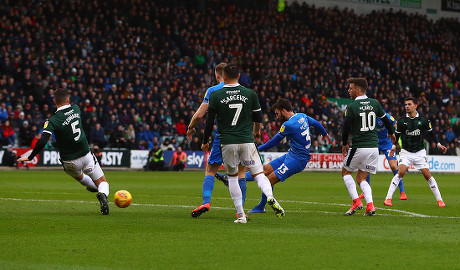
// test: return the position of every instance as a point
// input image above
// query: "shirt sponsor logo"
(232, 92)
(413, 133)
(69, 112)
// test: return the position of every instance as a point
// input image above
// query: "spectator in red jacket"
(8, 135)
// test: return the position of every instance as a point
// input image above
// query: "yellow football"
(122, 198)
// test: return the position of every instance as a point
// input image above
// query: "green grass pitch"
(49, 221)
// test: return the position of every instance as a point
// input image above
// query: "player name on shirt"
(233, 98)
(71, 117)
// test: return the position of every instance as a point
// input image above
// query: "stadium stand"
(147, 63)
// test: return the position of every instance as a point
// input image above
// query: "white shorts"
(245, 154)
(364, 159)
(418, 159)
(87, 164)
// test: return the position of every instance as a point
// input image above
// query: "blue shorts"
(387, 155)
(216, 156)
(287, 165)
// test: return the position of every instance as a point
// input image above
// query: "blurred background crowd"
(139, 69)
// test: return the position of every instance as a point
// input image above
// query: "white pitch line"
(406, 213)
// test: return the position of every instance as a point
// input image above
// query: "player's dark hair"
(220, 69)
(414, 100)
(231, 71)
(61, 95)
(360, 82)
(282, 104)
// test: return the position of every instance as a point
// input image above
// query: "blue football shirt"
(209, 92)
(297, 130)
(384, 142)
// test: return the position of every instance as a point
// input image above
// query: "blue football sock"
(263, 201)
(248, 176)
(208, 185)
(368, 179)
(401, 185)
(243, 187)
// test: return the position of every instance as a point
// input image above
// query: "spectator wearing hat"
(19, 120)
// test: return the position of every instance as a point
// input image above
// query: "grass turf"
(49, 221)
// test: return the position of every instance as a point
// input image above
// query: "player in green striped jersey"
(412, 129)
(73, 148)
(361, 118)
(238, 118)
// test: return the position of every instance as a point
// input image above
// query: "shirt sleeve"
(399, 126)
(428, 125)
(206, 96)
(212, 104)
(349, 112)
(392, 119)
(284, 130)
(48, 127)
(317, 125)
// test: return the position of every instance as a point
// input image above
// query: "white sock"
(235, 193)
(434, 188)
(264, 185)
(351, 186)
(367, 191)
(103, 188)
(393, 185)
(87, 182)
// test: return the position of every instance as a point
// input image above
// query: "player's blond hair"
(220, 69)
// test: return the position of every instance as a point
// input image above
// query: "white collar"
(63, 107)
(416, 115)
(232, 85)
(361, 97)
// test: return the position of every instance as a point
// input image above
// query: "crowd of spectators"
(139, 69)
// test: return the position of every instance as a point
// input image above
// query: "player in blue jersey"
(296, 128)
(385, 146)
(215, 159)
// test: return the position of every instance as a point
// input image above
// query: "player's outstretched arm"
(318, 126)
(271, 143)
(38, 147)
(196, 118)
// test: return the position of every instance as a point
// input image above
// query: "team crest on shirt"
(429, 124)
(45, 125)
(282, 128)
